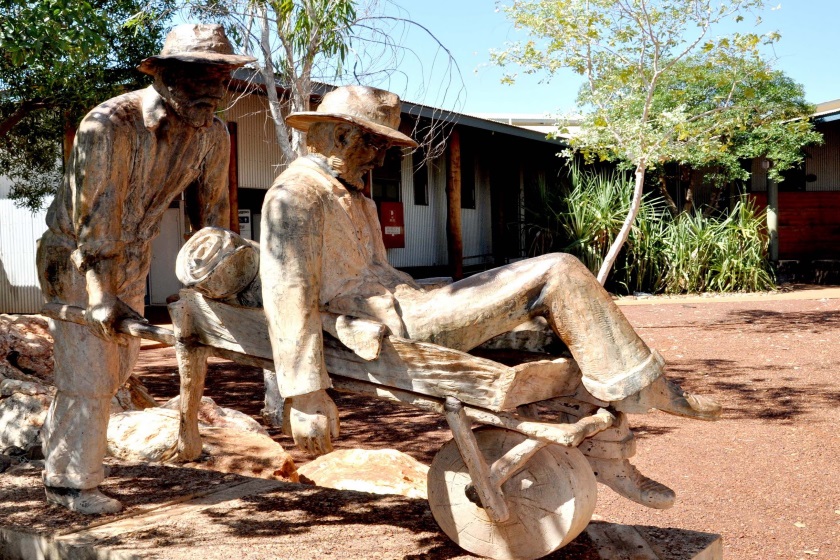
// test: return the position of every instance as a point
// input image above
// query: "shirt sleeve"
(291, 241)
(99, 183)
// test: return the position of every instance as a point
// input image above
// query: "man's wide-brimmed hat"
(373, 109)
(199, 43)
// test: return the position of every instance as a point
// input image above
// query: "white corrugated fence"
(19, 231)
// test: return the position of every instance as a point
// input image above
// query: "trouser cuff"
(79, 481)
(628, 383)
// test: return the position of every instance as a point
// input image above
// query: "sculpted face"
(359, 151)
(194, 91)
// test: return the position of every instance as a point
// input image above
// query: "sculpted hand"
(103, 317)
(314, 418)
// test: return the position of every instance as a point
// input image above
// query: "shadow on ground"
(754, 392)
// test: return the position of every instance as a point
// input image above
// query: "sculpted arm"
(100, 181)
(290, 269)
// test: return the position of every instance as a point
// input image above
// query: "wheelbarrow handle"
(133, 327)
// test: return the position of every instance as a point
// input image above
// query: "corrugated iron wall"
(825, 160)
(258, 155)
(19, 230)
(477, 222)
(423, 227)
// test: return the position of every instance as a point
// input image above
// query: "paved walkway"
(796, 292)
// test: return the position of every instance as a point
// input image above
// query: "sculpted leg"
(615, 361)
(88, 372)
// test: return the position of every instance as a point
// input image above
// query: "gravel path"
(765, 476)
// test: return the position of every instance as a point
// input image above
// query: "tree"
(301, 42)
(658, 85)
(766, 118)
(60, 58)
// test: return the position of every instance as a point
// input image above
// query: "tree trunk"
(663, 190)
(624, 233)
(267, 70)
(20, 113)
(688, 205)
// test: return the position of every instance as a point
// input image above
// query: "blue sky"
(809, 52)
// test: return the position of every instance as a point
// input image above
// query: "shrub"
(689, 253)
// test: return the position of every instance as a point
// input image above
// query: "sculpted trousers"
(88, 372)
(614, 361)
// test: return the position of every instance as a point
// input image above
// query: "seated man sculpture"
(322, 250)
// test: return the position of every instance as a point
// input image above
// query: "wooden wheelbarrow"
(515, 488)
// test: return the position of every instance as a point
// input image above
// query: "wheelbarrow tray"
(418, 367)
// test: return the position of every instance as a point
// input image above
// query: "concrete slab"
(249, 519)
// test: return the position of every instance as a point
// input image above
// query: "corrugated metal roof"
(250, 79)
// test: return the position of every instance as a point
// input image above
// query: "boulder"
(26, 348)
(26, 380)
(380, 471)
(214, 415)
(21, 418)
(147, 435)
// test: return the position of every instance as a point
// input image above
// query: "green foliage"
(689, 253)
(326, 23)
(660, 87)
(717, 254)
(595, 209)
(60, 59)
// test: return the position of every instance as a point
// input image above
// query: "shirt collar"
(154, 108)
(319, 165)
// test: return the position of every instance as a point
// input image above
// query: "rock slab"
(380, 471)
(147, 435)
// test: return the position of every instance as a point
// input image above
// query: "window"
(794, 179)
(387, 179)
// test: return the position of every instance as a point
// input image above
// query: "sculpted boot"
(88, 501)
(667, 396)
(626, 480)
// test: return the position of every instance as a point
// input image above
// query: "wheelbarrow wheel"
(551, 499)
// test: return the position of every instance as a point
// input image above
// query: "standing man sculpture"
(322, 249)
(133, 155)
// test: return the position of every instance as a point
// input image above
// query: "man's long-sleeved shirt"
(321, 249)
(131, 158)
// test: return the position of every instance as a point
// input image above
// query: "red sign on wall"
(393, 228)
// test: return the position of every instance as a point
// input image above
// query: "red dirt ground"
(765, 476)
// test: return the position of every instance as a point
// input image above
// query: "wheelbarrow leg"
(490, 495)
(192, 369)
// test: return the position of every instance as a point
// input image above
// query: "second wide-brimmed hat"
(199, 43)
(375, 110)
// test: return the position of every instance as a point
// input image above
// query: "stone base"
(175, 513)
(632, 542)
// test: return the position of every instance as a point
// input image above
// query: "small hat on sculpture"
(198, 43)
(373, 109)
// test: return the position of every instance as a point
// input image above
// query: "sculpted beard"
(197, 112)
(353, 177)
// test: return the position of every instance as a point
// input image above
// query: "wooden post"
(233, 179)
(773, 219)
(69, 137)
(192, 368)
(454, 239)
